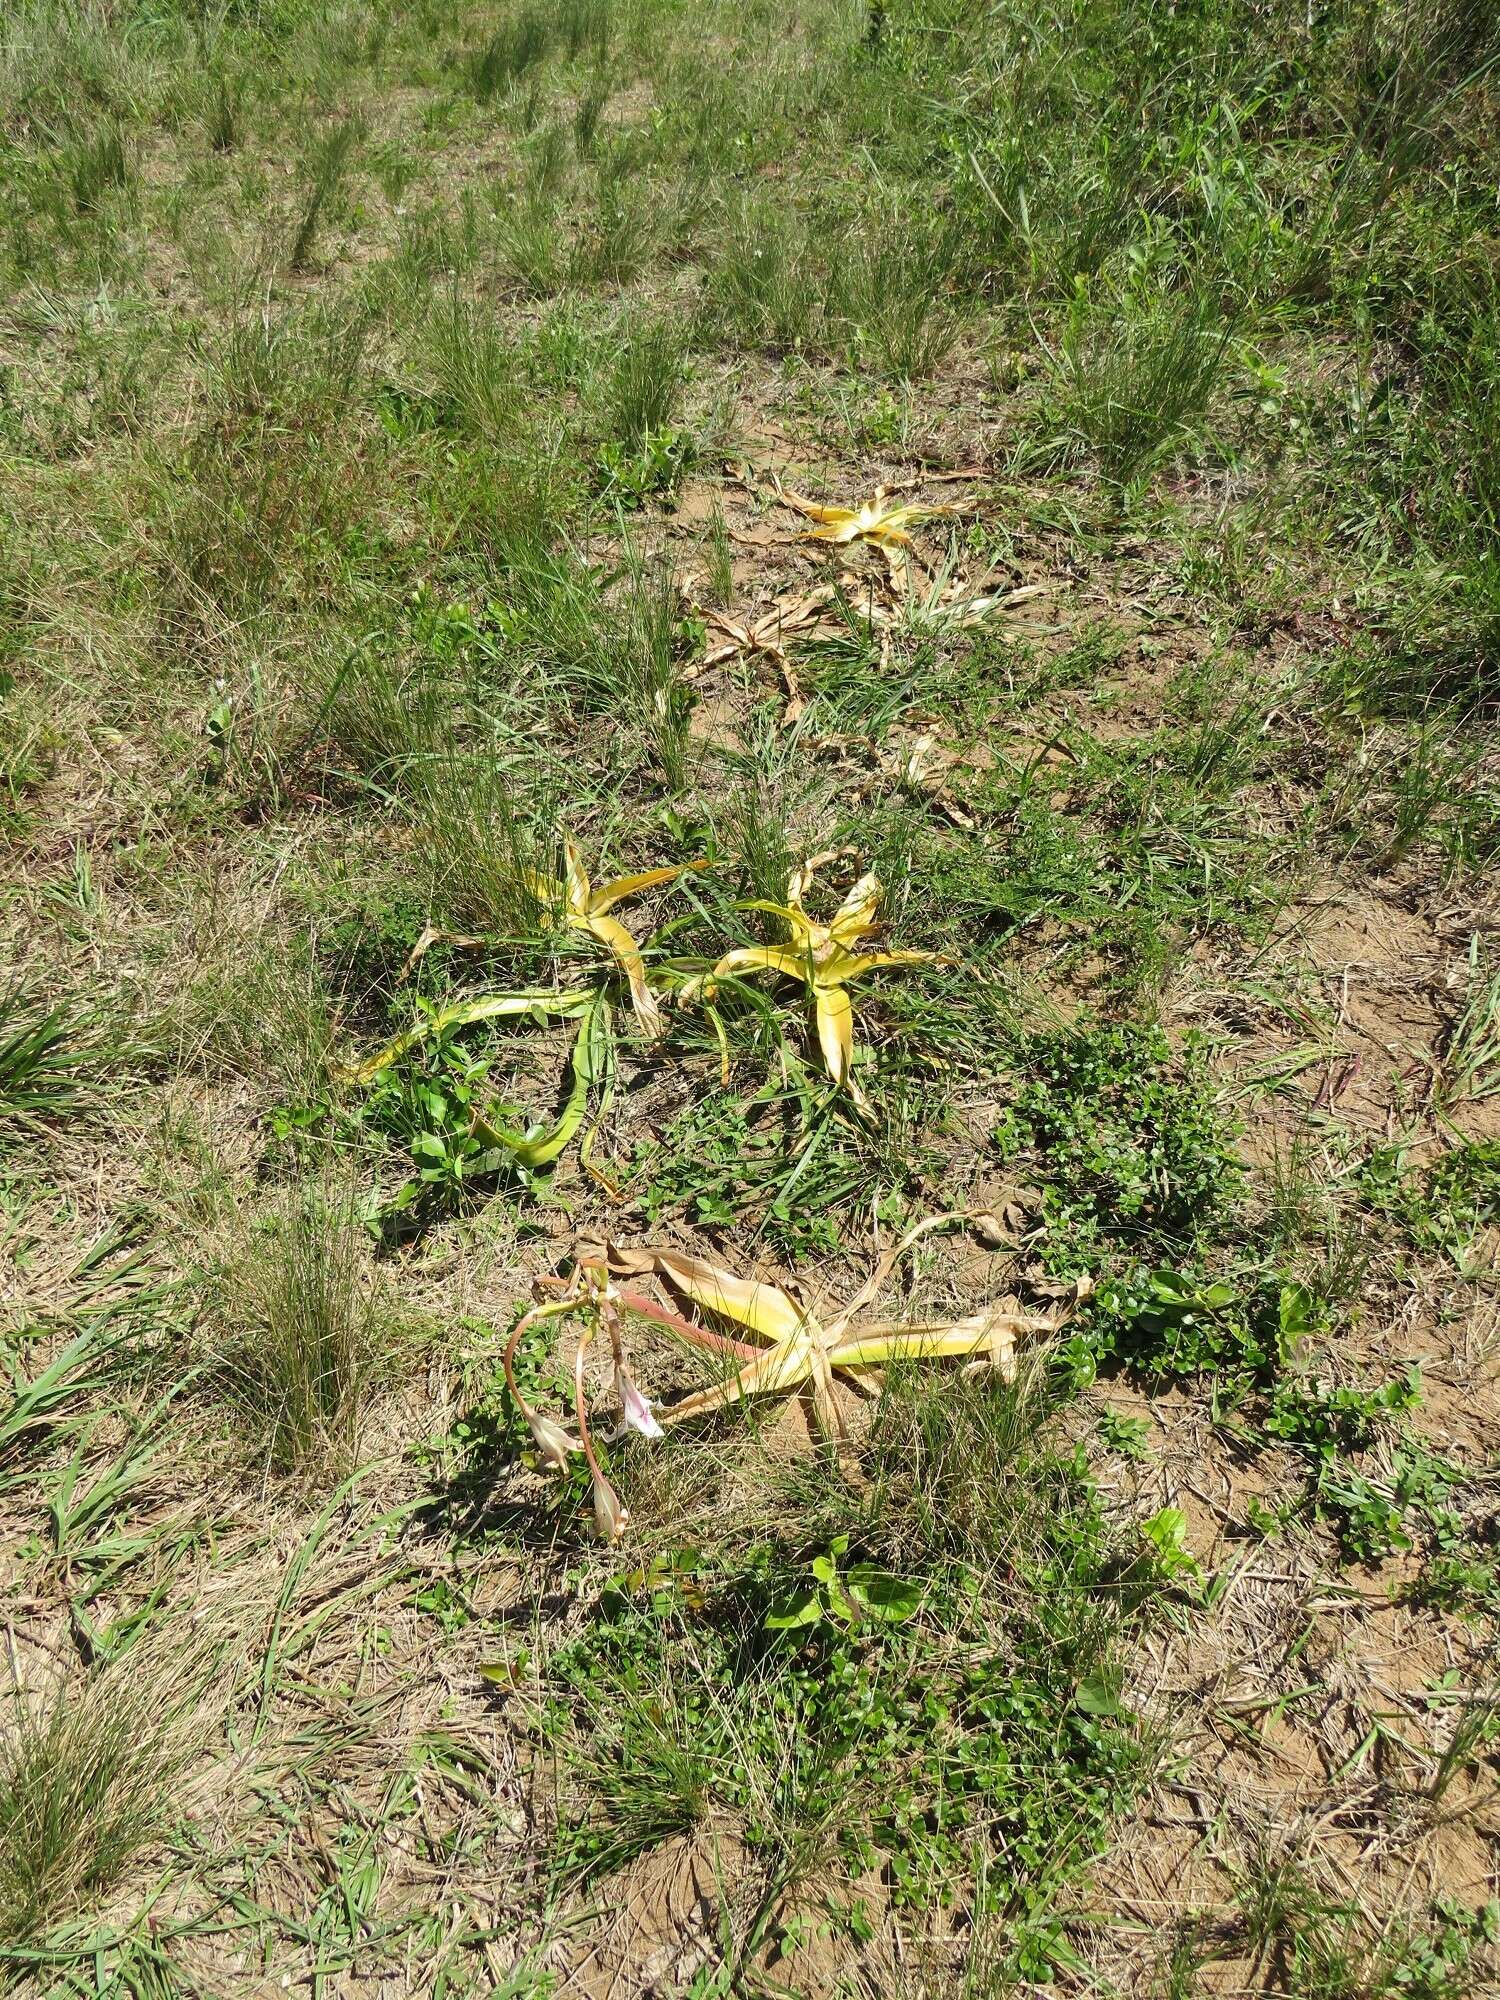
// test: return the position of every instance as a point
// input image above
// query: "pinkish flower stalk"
(687, 1329)
(610, 1512)
(552, 1442)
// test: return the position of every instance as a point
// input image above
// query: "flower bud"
(610, 1512)
(551, 1440)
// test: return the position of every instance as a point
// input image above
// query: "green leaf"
(1096, 1697)
(878, 1594)
(505, 1673)
(1166, 1530)
(841, 1604)
(1298, 1318)
(568, 1004)
(791, 1613)
(592, 1050)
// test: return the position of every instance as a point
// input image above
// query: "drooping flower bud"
(551, 1440)
(611, 1515)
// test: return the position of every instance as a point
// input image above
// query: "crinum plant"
(879, 519)
(585, 908)
(582, 907)
(792, 1349)
(823, 958)
(490, 1142)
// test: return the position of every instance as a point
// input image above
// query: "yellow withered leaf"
(750, 1302)
(879, 520)
(800, 1351)
(585, 908)
(806, 1351)
(569, 1004)
(769, 635)
(819, 956)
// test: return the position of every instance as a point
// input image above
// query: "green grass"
(87, 1774)
(39, 1059)
(300, 1337)
(684, 1702)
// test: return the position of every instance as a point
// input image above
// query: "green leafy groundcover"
(950, 1711)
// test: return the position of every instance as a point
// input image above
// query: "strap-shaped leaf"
(567, 1004)
(591, 1062)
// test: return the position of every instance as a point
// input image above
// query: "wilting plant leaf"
(585, 908)
(768, 634)
(824, 958)
(801, 1351)
(592, 1067)
(568, 1004)
(792, 1349)
(880, 520)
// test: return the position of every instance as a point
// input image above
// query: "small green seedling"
(858, 1595)
(1129, 1436)
(1167, 1554)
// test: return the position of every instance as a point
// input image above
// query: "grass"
(39, 1059)
(784, 1734)
(301, 1338)
(88, 1773)
(388, 399)
(1128, 397)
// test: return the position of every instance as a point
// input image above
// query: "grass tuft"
(302, 1335)
(88, 1774)
(511, 52)
(39, 1060)
(328, 162)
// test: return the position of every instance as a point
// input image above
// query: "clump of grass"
(476, 369)
(589, 111)
(257, 1009)
(265, 489)
(482, 838)
(766, 286)
(303, 1334)
(614, 247)
(1431, 492)
(531, 244)
(646, 382)
(327, 163)
(96, 168)
(1134, 377)
(517, 47)
(367, 715)
(953, 1463)
(28, 745)
(891, 293)
(584, 25)
(223, 119)
(649, 689)
(39, 1059)
(87, 1771)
